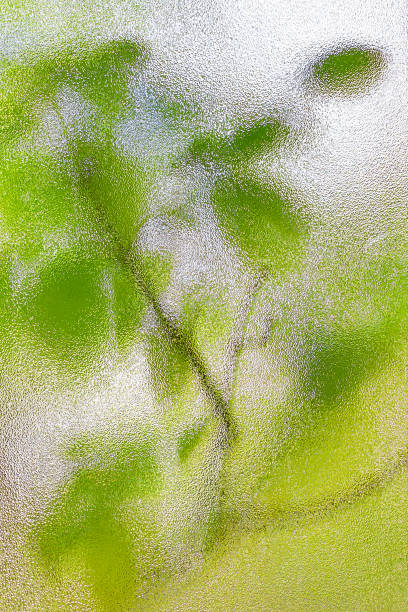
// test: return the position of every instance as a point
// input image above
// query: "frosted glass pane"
(203, 305)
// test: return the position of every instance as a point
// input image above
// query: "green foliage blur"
(87, 522)
(315, 434)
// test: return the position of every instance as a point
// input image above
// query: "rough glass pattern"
(203, 305)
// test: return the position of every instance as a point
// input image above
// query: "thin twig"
(237, 342)
(320, 509)
(216, 397)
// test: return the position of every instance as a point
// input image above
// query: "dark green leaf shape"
(69, 306)
(340, 361)
(78, 301)
(247, 140)
(350, 70)
(188, 441)
(259, 137)
(260, 221)
(85, 522)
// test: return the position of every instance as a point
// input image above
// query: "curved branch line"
(129, 261)
(324, 507)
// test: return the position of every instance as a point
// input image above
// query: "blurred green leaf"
(339, 357)
(246, 140)
(349, 70)
(260, 221)
(340, 361)
(87, 522)
(188, 440)
(70, 307)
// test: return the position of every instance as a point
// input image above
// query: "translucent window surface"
(203, 305)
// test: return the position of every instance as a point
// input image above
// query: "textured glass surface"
(203, 305)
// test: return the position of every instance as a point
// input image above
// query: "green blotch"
(85, 522)
(259, 221)
(351, 70)
(69, 306)
(115, 186)
(24, 89)
(37, 195)
(339, 362)
(188, 441)
(212, 147)
(216, 528)
(78, 301)
(129, 305)
(246, 141)
(207, 321)
(155, 270)
(258, 137)
(74, 297)
(9, 327)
